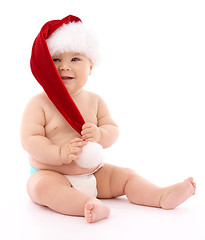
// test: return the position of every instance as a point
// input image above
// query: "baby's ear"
(91, 67)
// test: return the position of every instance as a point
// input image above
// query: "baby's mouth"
(66, 78)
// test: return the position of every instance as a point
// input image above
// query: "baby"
(54, 145)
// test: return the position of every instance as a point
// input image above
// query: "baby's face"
(74, 70)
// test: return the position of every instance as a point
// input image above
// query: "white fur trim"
(91, 156)
(74, 37)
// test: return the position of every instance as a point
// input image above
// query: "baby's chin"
(68, 81)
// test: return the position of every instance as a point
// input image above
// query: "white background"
(151, 76)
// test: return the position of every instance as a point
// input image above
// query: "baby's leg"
(116, 181)
(113, 181)
(53, 190)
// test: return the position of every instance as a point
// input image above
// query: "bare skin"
(53, 147)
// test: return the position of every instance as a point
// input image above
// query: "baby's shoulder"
(38, 100)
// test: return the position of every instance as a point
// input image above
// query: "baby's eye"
(56, 59)
(75, 59)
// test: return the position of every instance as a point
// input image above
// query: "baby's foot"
(178, 193)
(95, 211)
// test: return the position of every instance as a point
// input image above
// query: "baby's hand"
(90, 132)
(69, 151)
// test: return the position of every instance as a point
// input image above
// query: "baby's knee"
(128, 172)
(36, 187)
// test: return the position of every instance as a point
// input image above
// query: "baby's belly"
(66, 169)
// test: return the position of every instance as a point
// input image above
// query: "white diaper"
(84, 183)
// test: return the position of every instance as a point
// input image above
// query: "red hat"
(50, 41)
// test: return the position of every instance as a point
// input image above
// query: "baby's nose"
(65, 67)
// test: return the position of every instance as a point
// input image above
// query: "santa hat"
(74, 37)
(58, 36)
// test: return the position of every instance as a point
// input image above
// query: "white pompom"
(91, 156)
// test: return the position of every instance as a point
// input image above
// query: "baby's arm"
(35, 142)
(106, 132)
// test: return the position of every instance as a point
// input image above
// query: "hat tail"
(44, 70)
